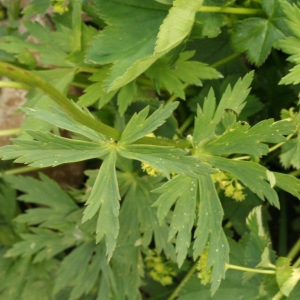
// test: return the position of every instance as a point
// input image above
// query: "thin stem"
(294, 251)
(296, 263)
(14, 85)
(232, 10)
(183, 282)
(278, 296)
(225, 60)
(8, 132)
(282, 143)
(251, 270)
(69, 107)
(18, 171)
(186, 124)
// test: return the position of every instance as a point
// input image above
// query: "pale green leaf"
(51, 150)
(286, 276)
(139, 125)
(104, 199)
(177, 25)
(182, 190)
(209, 230)
(166, 159)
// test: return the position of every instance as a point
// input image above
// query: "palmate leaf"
(258, 35)
(210, 115)
(56, 203)
(172, 76)
(105, 199)
(139, 125)
(243, 139)
(291, 44)
(166, 159)
(51, 150)
(184, 192)
(44, 243)
(86, 261)
(150, 32)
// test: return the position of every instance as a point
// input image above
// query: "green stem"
(251, 270)
(18, 171)
(8, 132)
(69, 107)
(183, 282)
(76, 23)
(13, 85)
(278, 296)
(280, 144)
(186, 124)
(231, 10)
(294, 251)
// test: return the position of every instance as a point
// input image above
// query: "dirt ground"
(10, 118)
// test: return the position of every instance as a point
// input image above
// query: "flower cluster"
(204, 273)
(159, 269)
(150, 170)
(59, 6)
(231, 186)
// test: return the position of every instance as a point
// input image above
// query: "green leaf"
(258, 240)
(139, 125)
(209, 230)
(288, 183)
(59, 118)
(171, 75)
(51, 150)
(291, 44)
(286, 276)
(251, 174)
(290, 155)
(86, 261)
(36, 7)
(129, 39)
(165, 159)
(44, 243)
(55, 204)
(243, 139)
(209, 116)
(182, 190)
(96, 91)
(126, 96)
(257, 36)
(105, 199)
(145, 22)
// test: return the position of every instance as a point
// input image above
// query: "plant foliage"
(189, 152)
